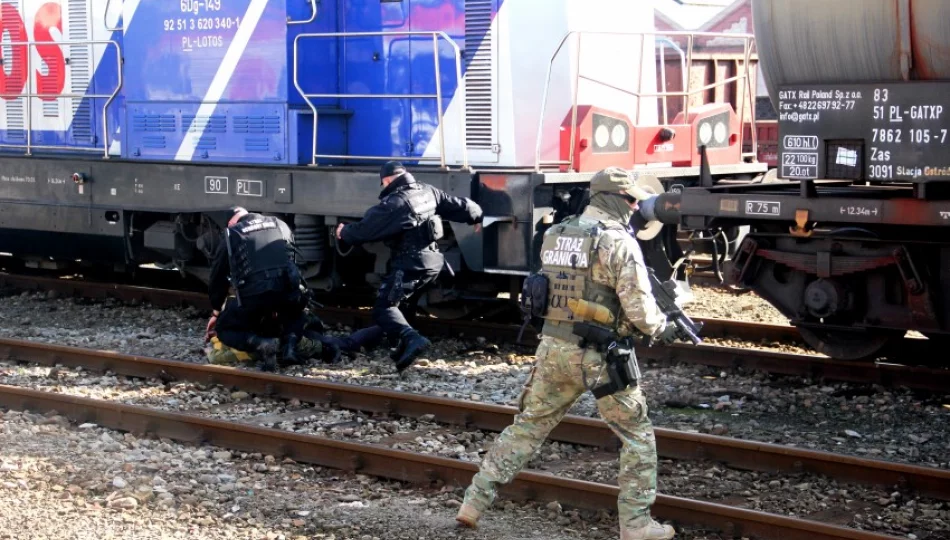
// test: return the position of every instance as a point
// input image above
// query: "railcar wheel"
(847, 344)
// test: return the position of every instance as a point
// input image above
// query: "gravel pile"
(720, 303)
(891, 511)
(846, 418)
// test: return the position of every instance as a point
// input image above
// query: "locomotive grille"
(80, 72)
(844, 159)
(479, 75)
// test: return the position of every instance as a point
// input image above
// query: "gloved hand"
(331, 350)
(667, 335)
(314, 323)
(209, 331)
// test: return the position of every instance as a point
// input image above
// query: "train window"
(844, 159)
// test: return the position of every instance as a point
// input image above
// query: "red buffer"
(603, 139)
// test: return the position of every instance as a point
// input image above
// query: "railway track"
(673, 444)
(411, 467)
(813, 366)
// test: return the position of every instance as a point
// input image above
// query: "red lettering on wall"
(13, 76)
(51, 84)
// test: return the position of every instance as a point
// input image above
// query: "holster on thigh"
(396, 292)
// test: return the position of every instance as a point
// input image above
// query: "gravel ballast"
(855, 419)
(885, 510)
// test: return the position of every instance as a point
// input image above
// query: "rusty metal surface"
(930, 38)
(815, 367)
(817, 41)
(740, 454)
(410, 467)
(851, 41)
(102, 291)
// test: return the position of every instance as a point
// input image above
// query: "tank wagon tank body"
(128, 128)
(850, 240)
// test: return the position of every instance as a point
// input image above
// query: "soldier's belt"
(561, 330)
(581, 334)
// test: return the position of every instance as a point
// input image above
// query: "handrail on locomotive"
(748, 45)
(460, 84)
(30, 95)
(105, 19)
(313, 15)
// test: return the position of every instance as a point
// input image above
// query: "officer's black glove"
(331, 350)
(667, 336)
(314, 323)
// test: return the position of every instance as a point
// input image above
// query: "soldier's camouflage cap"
(617, 180)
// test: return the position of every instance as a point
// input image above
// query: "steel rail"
(815, 367)
(410, 467)
(740, 454)
(884, 374)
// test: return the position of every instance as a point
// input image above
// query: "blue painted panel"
(177, 56)
(318, 59)
(246, 133)
(377, 65)
(230, 60)
(432, 16)
(173, 58)
(332, 131)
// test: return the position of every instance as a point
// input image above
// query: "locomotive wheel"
(847, 344)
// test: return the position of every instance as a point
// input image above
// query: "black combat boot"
(397, 345)
(414, 345)
(267, 349)
(290, 351)
(397, 352)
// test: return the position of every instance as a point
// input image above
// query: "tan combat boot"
(652, 531)
(468, 516)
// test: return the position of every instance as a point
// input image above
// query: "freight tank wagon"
(127, 128)
(850, 241)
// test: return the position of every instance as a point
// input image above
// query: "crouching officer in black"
(257, 258)
(408, 219)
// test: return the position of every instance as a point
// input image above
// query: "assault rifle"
(666, 293)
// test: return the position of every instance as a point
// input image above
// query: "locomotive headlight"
(601, 136)
(611, 134)
(618, 135)
(720, 132)
(705, 133)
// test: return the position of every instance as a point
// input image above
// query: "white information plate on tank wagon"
(896, 132)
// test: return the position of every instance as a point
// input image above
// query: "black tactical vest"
(425, 225)
(259, 249)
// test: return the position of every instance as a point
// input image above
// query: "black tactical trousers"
(367, 337)
(400, 285)
(269, 315)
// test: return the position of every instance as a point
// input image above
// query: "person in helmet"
(589, 257)
(256, 258)
(408, 219)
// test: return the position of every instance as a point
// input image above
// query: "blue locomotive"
(128, 126)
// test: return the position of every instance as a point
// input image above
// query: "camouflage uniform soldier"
(590, 257)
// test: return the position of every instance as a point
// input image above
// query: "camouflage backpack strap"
(597, 292)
